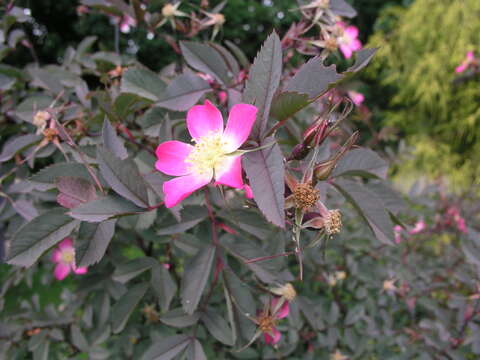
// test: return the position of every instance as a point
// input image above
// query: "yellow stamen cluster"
(287, 291)
(266, 323)
(331, 44)
(333, 222)
(50, 134)
(208, 154)
(305, 196)
(68, 256)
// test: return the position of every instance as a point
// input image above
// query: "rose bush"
(298, 248)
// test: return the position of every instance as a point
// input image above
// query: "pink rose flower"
(469, 59)
(273, 336)
(348, 40)
(418, 228)
(212, 155)
(356, 97)
(397, 230)
(64, 257)
(126, 22)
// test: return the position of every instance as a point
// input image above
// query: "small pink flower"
(348, 40)
(211, 157)
(356, 97)
(222, 97)
(454, 212)
(469, 59)
(64, 257)
(397, 230)
(166, 266)
(126, 22)
(267, 322)
(418, 228)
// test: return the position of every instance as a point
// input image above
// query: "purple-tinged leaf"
(179, 319)
(167, 348)
(361, 162)
(229, 59)
(191, 216)
(50, 174)
(112, 142)
(195, 278)
(123, 176)
(92, 242)
(266, 172)
(122, 310)
(263, 80)
(131, 269)
(218, 327)
(313, 78)
(342, 8)
(37, 236)
(17, 144)
(206, 59)
(25, 209)
(183, 92)
(195, 351)
(104, 208)
(164, 286)
(143, 83)
(362, 59)
(74, 191)
(370, 208)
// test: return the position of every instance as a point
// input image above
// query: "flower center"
(207, 154)
(68, 256)
(266, 323)
(333, 222)
(305, 196)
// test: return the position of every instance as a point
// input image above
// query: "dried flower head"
(151, 314)
(50, 134)
(287, 291)
(333, 222)
(40, 119)
(305, 196)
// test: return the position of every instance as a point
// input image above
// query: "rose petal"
(230, 173)
(61, 271)
(80, 270)
(352, 32)
(239, 124)
(171, 157)
(355, 45)
(346, 51)
(461, 68)
(66, 243)
(284, 309)
(56, 255)
(248, 191)
(177, 189)
(272, 340)
(204, 120)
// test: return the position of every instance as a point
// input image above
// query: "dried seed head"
(305, 196)
(50, 134)
(266, 323)
(331, 44)
(287, 291)
(333, 222)
(151, 314)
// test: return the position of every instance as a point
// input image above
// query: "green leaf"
(266, 172)
(205, 58)
(218, 327)
(122, 310)
(361, 162)
(263, 80)
(195, 278)
(123, 176)
(92, 242)
(104, 208)
(37, 236)
(42, 351)
(142, 82)
(287, 104)
(179, 319)
(167, 348)
(112, 142)
(183, 92)
(370, 208)
(129, 270)
(195, 351)
(164, 286)
(78, 338)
